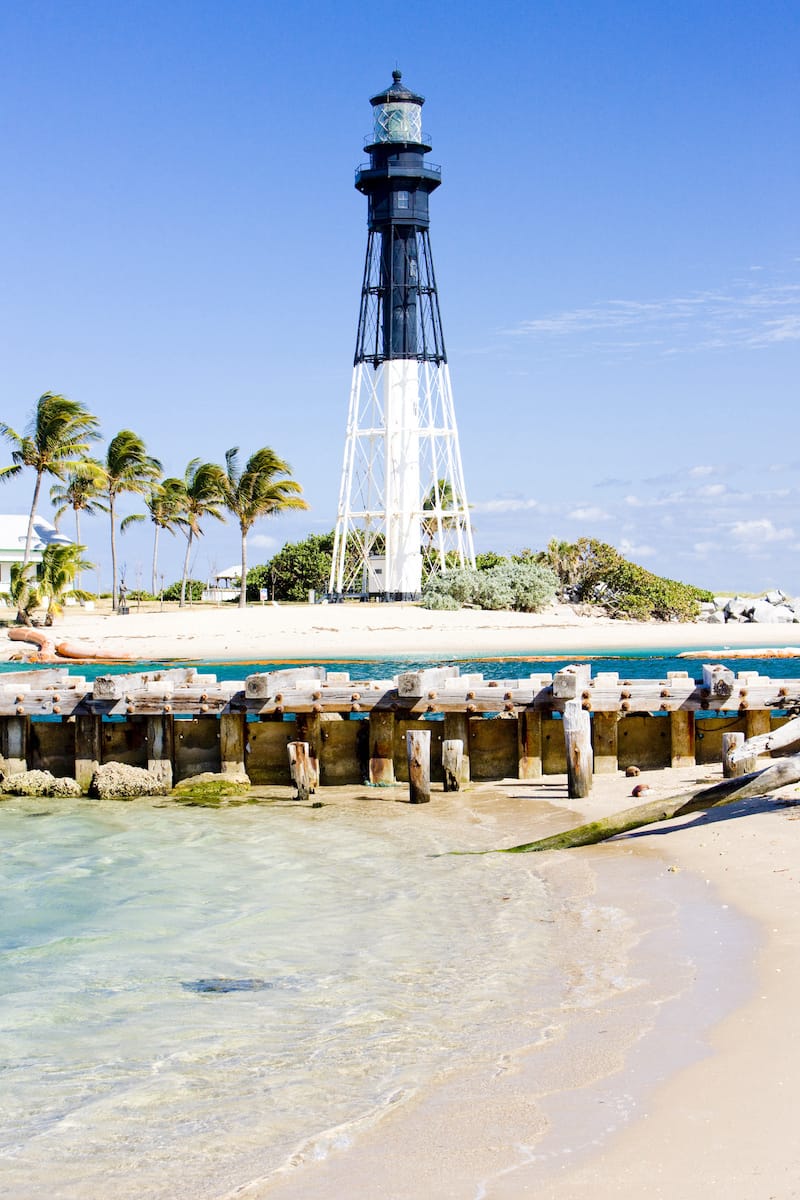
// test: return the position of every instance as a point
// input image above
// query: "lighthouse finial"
(397, 75)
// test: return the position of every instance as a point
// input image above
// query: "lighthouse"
(402, 510)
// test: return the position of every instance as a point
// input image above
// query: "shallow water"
(375, 964)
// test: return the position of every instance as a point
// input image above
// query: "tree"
(202, 492)
(60, 566)
(297, 568)
(127, 468)
(163, 503)
(24, 592)
(57, 435)
(79, 491)
(257, 491)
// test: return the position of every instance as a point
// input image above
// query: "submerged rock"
(210, 787)
(116, 781)
(206, 986)
(39, 783)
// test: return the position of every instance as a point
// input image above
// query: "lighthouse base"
(403, 511)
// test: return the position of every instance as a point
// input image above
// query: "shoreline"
(366, 631)
(677, 970)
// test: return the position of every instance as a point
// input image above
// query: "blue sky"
(616, 242)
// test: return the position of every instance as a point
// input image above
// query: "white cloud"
(752, 313)
(591, 513)
(702, 470)
(503, 506)
(629, 549)
(262, 541)
(755, 533)
(712, 489)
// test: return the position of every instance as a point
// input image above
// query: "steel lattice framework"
(403, 510)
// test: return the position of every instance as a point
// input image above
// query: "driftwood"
(758, 783)
(777, 739)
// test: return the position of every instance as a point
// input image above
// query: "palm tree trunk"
(155, 560)
(186, 567)
(78, 542)
(21, 615)
(243, 581)
(113, 554)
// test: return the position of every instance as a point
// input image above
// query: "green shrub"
(525, 587)
(194, 590)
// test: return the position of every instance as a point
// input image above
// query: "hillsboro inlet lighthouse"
(402, 501)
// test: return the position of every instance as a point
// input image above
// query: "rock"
(738, 607)
(714, 618)
(116, 781)
(210, 788)
(39, 783)
(765, 613)
(776, 597)
(632, 771)
(721, 601)
(707, 606)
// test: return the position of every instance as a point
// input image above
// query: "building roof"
(14, 530)
(230, 572)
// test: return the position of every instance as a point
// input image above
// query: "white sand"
(372, 630)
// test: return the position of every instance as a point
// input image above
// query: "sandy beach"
(269, 633)
(713, 1091)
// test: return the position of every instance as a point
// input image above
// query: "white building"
(13, 531)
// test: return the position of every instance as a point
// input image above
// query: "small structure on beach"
(402, 497)
(13, 533)
(226, 586)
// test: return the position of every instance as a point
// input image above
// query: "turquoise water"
(635, 665)
(374, 965)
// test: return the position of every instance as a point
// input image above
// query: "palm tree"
(164, 506)
(257, 492)
(61, 565)
(127, 468)
(24, 592)
(79, 491)
(202, 490)
(57, 435)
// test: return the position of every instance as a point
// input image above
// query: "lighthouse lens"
(398, 123)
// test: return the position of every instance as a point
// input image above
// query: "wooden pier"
(178, 723)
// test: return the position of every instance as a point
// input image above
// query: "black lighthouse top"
(399, 316)
(397, 179)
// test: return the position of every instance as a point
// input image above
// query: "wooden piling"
(456, 729)
(300, 769)
(452, 756)
(88, 748)
(161, 748)
(681, 733)
(309, 729)
(381, 747)
(578, 741)
(529, 744)
(756, 721)
(14, 744)
(232, 742)
(731, 770)
(418, 749)
(605, 730)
